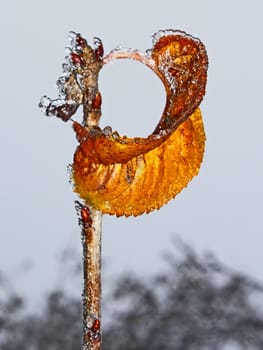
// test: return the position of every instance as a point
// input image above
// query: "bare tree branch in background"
(196, 303)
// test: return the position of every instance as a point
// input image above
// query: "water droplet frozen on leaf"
(99, 50)
(61, 85)
(66, 68)
(118, 48)
(162, 132)
(72, 38)
(68, 57)
(64, 110)
(58, 107)
(76, 42)
(161, 33)
(44, 104)
(69, 172)
(107, 130)
(68, 50)
(115, 135)
(54, 106)
(164, 67)
(148, 52)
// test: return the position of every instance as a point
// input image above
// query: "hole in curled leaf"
(133, 98)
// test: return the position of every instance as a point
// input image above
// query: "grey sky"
(221, 210)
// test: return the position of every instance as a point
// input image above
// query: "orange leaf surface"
(147, 181)
(131, 176)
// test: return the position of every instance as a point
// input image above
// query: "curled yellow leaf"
(145, 182)
(131, 176)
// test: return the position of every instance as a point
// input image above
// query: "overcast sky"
(220, 211)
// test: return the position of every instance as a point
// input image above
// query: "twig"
(91, 223)
(91, 219)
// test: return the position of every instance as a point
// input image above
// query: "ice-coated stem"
(79, 86)
(91, 221)
(130, 54)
